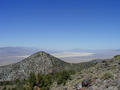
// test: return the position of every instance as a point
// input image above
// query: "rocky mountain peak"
(40, 53)
(40, 62)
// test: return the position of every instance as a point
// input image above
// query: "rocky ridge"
(39, 62)
(104, 75)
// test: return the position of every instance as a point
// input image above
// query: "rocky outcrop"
(104, 75)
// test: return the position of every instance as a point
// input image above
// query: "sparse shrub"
(31, 80)
(17, 81)
(107, 75)
(116, 56)
(63, 77)
(4, 88)
(71, 72)
(14, 89)
(9, 89)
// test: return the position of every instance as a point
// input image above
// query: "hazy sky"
(60, 24)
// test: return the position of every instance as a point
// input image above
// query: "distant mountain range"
(10, 55)
(14, 54)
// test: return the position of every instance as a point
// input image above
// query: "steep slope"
(105, 75)
(38, 62)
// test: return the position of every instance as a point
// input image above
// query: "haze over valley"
(9, 55)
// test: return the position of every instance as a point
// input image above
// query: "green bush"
(63, 76)
(32, 80)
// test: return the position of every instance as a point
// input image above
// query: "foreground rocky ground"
(104, 75)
